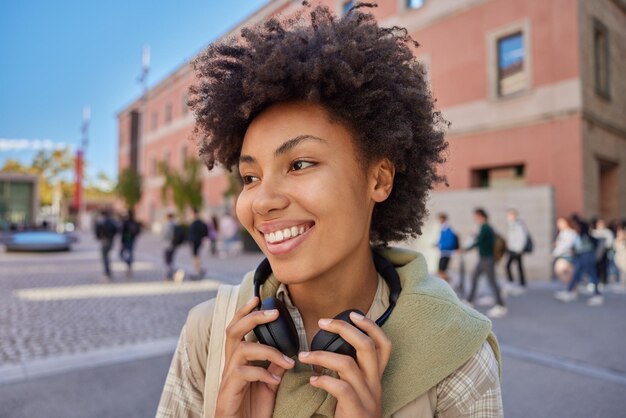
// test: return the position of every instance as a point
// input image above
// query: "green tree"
(183, 187)
(129, 187)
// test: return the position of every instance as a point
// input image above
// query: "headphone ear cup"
(331, 342)
(280, 333)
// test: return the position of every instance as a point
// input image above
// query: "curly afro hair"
(364, 76)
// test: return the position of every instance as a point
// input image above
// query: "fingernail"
(288, 359)
(356, 316)
(276, 378)
(304, 354)
(314, 378)
(252, 300)
(324, 322)
(270, 312)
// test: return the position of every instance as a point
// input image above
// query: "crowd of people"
(222, 235)
(592, 250)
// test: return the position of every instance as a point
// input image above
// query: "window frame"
(599, 27)
(493, 66)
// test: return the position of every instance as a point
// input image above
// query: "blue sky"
(58, 56)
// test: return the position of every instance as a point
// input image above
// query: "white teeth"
(285, 234)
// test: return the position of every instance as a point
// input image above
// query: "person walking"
(485, 242)
(198, 231)
(584, 263)
(605, 239)
(213, 226)
(447, 244)
(173, 235)
(562, 254)
(106, 229)
(516, 243)
(130, 230)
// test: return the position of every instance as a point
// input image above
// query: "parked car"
(38, 241)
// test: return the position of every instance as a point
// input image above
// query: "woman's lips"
(288, 244)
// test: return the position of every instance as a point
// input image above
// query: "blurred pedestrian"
(130, 230)
(198, 231)
(485, 242)
(563, 252)
(620, 254)
(174, 236)
(447, 244)
(228, 233)
(605, 239)
(213, 234)
(517, 243)
(105, 231)
(584, 263)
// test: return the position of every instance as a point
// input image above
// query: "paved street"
(559, 360)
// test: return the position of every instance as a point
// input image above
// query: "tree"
(184, 187)
(129, 187)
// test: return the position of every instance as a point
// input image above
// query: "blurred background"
(102, 255)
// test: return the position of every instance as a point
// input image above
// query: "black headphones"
(281, 333)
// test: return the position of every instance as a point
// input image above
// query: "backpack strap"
(225, 307)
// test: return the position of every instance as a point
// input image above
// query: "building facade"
(535, 93)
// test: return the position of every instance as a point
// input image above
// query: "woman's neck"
(350, 284)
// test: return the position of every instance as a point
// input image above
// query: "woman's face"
(306, 200)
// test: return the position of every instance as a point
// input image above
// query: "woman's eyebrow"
(294, 142)
(283, 148)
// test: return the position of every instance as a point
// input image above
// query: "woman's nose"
(269, 197)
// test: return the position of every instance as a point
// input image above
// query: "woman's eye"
(249, 179)
(300, 165)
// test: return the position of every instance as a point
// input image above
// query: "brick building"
(535, 92)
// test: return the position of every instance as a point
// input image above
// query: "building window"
(347, 5)
(511, 57)
(166, 158)
(168, 113)
(499, 177)
(183, 104)
(153, 166)
(414, 4)
(154, 120)
(601, 58)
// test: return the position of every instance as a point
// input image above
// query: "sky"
(56, 57)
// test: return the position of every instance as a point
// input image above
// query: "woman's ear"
(383, 173)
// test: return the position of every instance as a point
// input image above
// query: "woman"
(332, 128)
(563, 250)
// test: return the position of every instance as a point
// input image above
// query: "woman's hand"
(240, 377)
(358, 390)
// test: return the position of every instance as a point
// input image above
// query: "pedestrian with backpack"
(106, 229)
(518, 242)
(486, 242)
(447, 244)
(130, 230)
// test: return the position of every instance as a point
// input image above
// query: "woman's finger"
(381, 341)
(247, 352)
(345, 366)
(236, 330)
(342, 391)
(366, 354)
